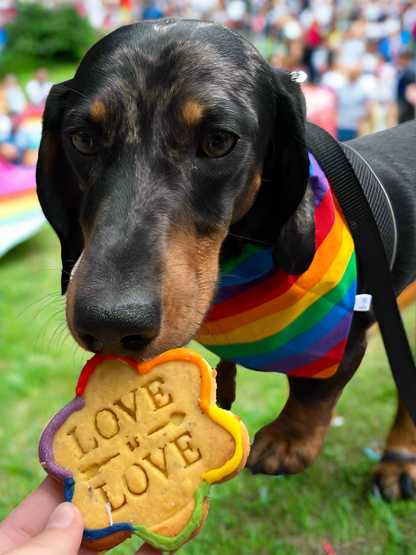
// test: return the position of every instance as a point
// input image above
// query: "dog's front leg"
(395, 475)
(226, 383)
(292, 442)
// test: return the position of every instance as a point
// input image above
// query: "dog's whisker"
(80, 353)
(72, 90)
(251, 239)
(56, 270)
(70, 261)
(196, 310)
(45, 325)
(219, 327)
(74, 352)
(211, 334)
(208, 329)
(204, 327)
(84, 355)
(46, 304)
(231, 275)
(49, 295)
(65, 338)
(61, 335)
(200, 325)
(53, 335)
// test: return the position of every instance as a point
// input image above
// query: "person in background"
(14, 96)
(8, 151)
(353, 44)
(352, 104)
(312, 41)
(333, 78)
(405, 84)
(38, 88)
(20, 129)
(151, 10)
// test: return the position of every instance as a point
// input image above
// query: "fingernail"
(62, 517)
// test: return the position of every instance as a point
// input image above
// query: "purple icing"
(47, 460)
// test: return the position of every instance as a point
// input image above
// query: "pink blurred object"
(16, 178)
(328, 548)
(321, 107)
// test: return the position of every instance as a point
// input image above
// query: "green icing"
(170, 544)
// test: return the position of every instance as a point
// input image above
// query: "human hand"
(43, 525)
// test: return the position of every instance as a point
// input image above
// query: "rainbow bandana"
(268, 320)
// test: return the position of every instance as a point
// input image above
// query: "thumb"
(62, 534)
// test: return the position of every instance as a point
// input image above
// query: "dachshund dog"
(173, 146)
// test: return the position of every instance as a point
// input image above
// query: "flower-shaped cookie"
(139, 446)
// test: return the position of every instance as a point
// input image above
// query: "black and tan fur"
(152, 214)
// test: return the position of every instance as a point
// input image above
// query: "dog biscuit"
(139, 446)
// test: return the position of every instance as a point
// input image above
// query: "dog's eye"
(84, 143)
(215, 145)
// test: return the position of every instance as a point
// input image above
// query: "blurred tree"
(45, 36)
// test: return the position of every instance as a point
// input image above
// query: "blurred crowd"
(21, 116)
(359, 56)
(360, 50)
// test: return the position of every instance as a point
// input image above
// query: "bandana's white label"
(362, 303)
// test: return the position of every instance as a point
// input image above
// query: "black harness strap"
(378, 199)
(371, 256)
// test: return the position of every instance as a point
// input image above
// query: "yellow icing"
(232, 425)
(224, 418)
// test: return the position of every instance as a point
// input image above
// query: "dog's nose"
(131, 327)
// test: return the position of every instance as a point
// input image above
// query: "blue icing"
(69, 487)
(103, 532)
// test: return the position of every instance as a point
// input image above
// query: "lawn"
(250, 515)
(58, 72)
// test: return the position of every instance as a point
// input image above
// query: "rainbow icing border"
(207, 400)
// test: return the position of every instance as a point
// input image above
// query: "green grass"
(39, 366)
(24, 69)
(57, 72)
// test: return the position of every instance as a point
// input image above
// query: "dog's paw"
(275, 452)
(394, 477)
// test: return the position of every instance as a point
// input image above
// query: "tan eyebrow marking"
(192, 112)
(98, 111)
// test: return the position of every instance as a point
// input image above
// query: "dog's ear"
(286, 172)
(295, 247)
(59, 193)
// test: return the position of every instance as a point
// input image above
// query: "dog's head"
(170, 134)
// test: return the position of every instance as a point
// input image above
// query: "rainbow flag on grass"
(20, 213)
(268, 320)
